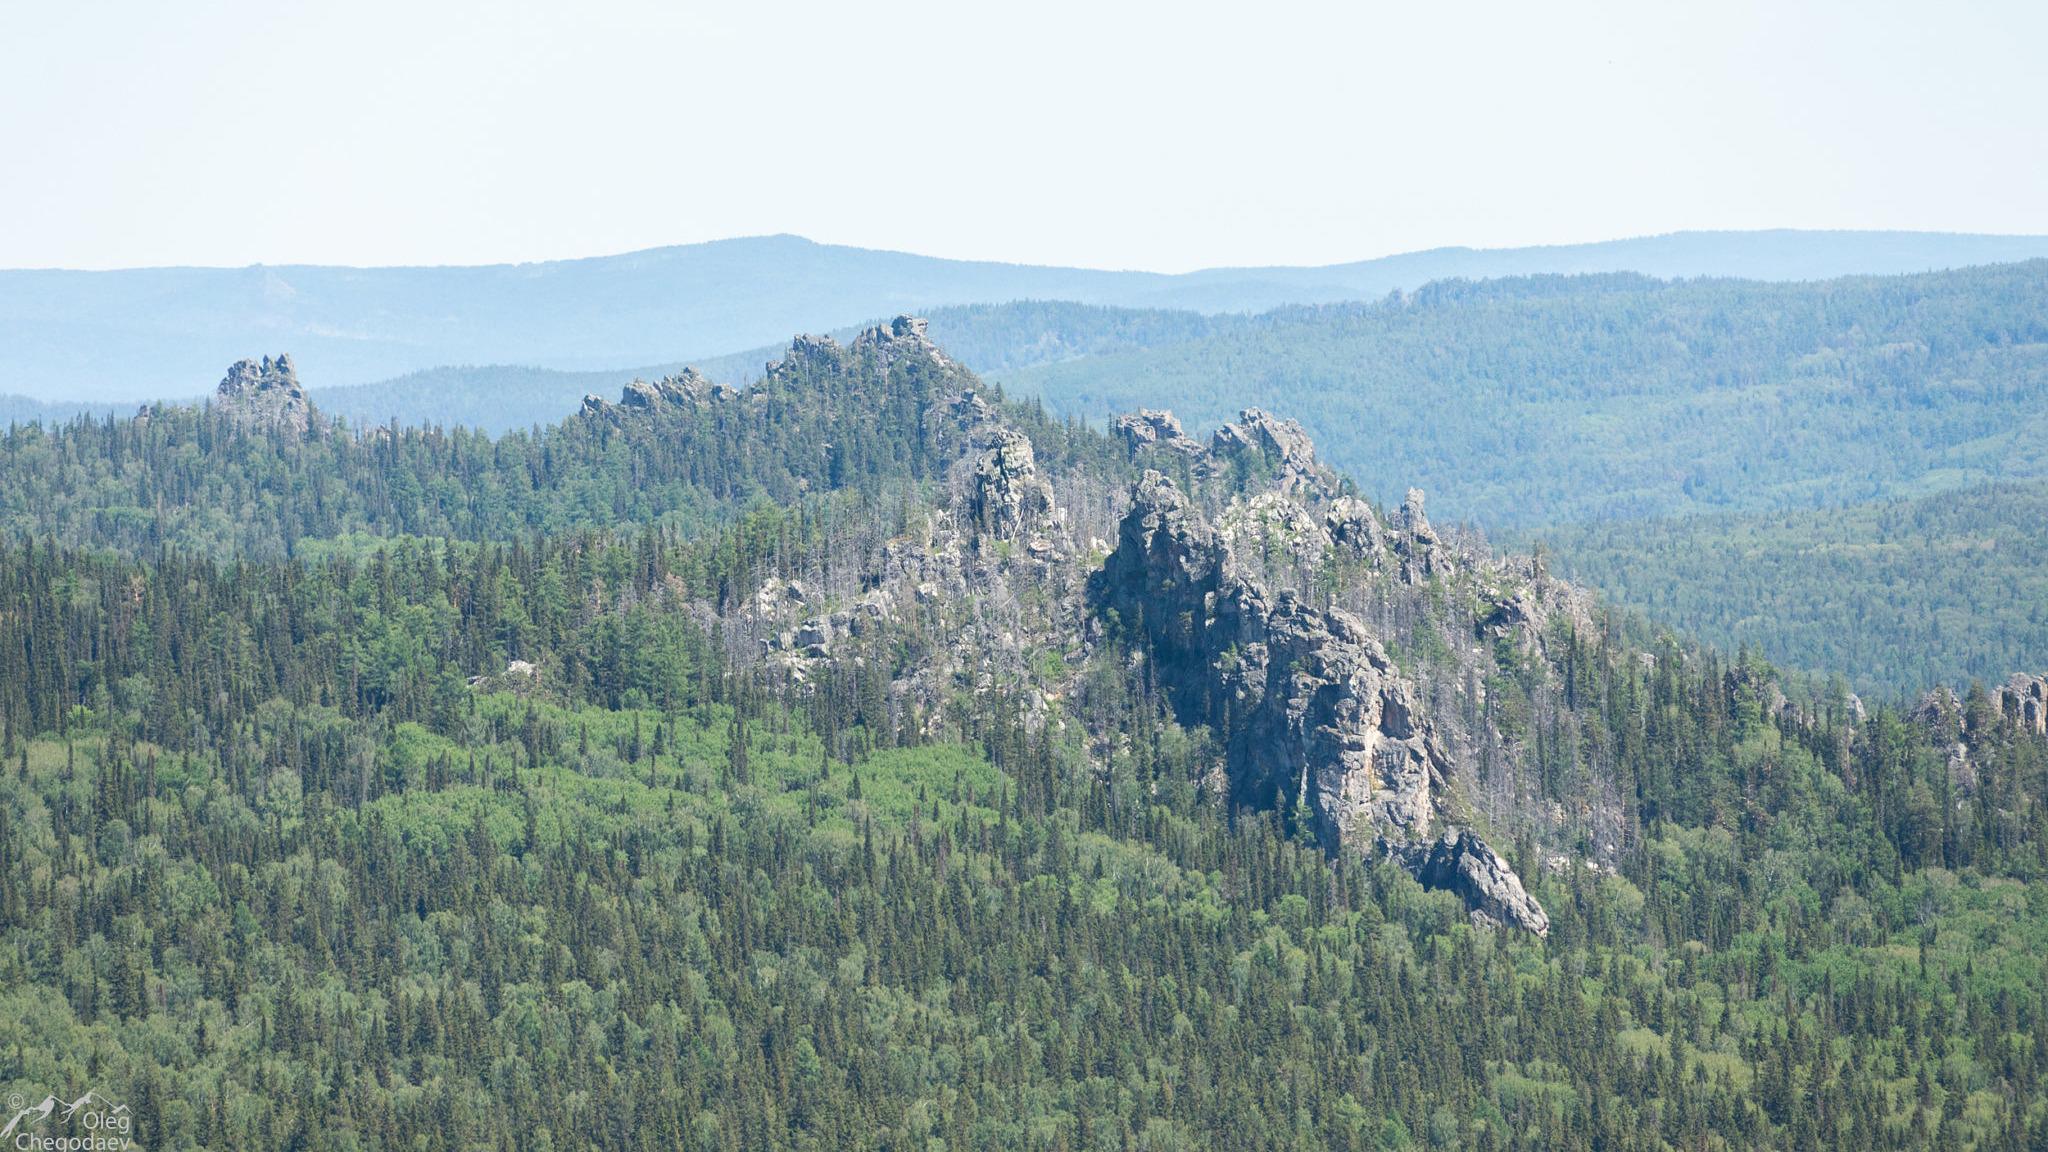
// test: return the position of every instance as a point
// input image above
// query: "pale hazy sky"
(1161, 136)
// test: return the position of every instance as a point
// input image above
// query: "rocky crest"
(938, 600)
(979, 592)
(1260, 440)
(684, 391)
(1309, 708)
(2024, 700)
(265, 395)
(1147, 428)
(1009, 498)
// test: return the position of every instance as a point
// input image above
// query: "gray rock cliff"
(1306, 702)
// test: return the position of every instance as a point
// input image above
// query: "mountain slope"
(1893, 595)
(148, 333)
(1547, 400)
(989, 338)
(864, 761)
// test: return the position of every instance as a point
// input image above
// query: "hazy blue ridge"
(146, 333)
(1547, 400)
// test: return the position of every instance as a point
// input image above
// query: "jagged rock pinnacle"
(265, 394)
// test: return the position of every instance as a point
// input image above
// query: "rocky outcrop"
(1460, 862)
(904, 336)
(685, 391)
(265, 395)
(1147, 428)
(1258, 442)
(1354, 527)
(1309, 708)
(1257, 450)
(1421, 550)
(517, 674)
(2024, 701)
(1008, 498)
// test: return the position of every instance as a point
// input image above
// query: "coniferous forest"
(751, 769)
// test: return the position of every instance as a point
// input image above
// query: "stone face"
(1009, 498)
(265, 394)
(1309, 707)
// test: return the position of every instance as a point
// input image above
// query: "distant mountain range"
(122, 336)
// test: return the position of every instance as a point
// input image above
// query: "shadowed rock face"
(265, 394)
(1307, 704)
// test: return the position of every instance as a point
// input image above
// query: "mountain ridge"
(130, 334)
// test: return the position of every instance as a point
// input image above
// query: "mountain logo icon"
(91, 1112)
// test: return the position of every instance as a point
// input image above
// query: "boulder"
(1459, 861)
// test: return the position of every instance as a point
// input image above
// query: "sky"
(1111, 135)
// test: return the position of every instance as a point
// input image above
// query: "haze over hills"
(1586, 411)
(1547, 400)
(1518, 403)
(862, 752)
(151, 333)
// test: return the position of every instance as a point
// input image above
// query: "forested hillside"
(1552, 400)
(835, 765)
(211, 480)
(988, 338)
(1517, 403)
(1895, 595)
